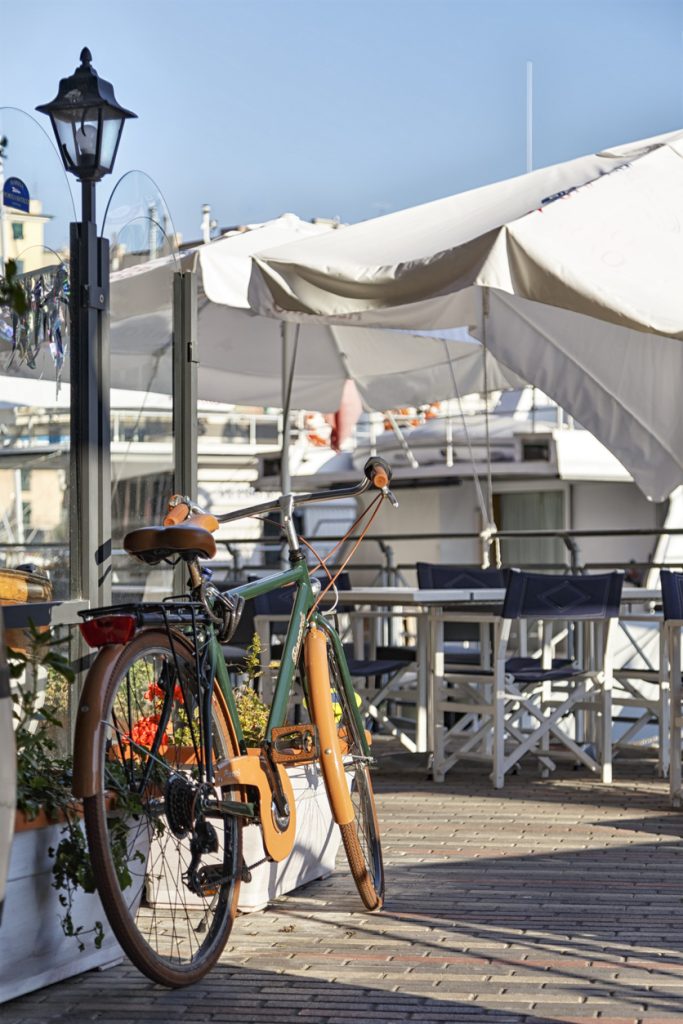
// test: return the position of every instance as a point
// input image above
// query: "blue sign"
(15, 194)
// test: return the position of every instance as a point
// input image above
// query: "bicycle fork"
(320, 696)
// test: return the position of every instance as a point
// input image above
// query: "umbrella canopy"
(240, 357)
(240, 353)
(570, 274)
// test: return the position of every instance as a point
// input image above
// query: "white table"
(430, 607)
(425, 605)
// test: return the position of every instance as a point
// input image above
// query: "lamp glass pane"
(85, 134)
(111, 131)
(65, 131)
(78, 139)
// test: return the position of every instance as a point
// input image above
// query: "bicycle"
(161, 765)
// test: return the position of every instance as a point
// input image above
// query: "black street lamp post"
(88, 123)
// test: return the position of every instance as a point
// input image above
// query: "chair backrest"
(543, 596)
(432, 576)
(672, 594)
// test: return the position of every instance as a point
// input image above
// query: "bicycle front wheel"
(361, 836)
(166, 857)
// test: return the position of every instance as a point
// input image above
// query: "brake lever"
(391, 496)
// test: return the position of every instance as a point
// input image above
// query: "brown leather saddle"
(154, 544)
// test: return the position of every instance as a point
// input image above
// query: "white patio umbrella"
(254, 360)
(389, 367)
(241, 353)
(571, 275)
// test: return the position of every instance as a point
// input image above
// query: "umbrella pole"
(290, 338)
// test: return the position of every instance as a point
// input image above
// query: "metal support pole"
(90, 483)
(185, 363)
(290, 339)
(288, 357)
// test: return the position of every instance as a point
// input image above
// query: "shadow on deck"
(550, 901)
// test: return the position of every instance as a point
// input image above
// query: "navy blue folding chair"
(527, 705)
(462, 640)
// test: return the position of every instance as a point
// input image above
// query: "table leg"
(436, 683)
(607, 687)
(267, 679)
(663, 709)
(675, 731)
(424, 724)
(498, 712)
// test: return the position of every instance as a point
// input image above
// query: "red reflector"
(108, 629)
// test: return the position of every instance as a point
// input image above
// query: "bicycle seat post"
(287, 513)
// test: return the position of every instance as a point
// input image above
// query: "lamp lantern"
(87, 121)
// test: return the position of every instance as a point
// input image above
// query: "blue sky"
(349, 108)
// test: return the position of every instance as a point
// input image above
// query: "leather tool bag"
(23, 585)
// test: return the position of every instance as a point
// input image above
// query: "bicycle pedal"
(211, 877)
(294, 744)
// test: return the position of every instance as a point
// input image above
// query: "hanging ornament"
(44, 324)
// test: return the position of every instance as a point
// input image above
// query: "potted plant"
(54, 924)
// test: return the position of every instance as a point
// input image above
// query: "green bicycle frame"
(304, 599)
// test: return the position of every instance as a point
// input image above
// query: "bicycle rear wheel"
(167, 862)
(361, 836)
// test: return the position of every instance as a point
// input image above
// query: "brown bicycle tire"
(165, 970)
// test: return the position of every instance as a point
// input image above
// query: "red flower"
(154, 692)
(144, 732)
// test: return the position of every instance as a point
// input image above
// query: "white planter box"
(34, 951)
(316, 843)
(315, 846)
(33, 948)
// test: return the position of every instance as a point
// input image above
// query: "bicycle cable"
(371, 511)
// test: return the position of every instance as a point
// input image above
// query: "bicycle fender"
(87, 778)
(331, 760)
(246, 770)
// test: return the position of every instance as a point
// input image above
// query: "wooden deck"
(554, 900)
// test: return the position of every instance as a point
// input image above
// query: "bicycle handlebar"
(376, 474)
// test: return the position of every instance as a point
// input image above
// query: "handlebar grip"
(378, 472)
(206, 521)
(177, 514)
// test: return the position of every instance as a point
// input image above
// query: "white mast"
(529, 116)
